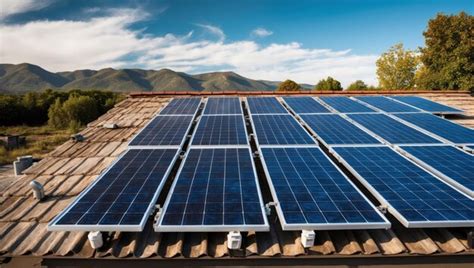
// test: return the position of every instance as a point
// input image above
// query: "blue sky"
(273, 40)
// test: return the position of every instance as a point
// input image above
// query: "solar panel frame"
(169, 106)
(322, 109)
(52, 226)
(467, 189)
(328, 226)
(159, 227)
(193, 137)
(256, 110)
(392, 210)
(423, 104)
(344, 107)
(395, 106)
(206, 106)
(157, 146)
(326, 142)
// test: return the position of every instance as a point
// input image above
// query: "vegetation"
(396, 68)
(358, 85)
(288, 85)
(448, 56)
(328, 84)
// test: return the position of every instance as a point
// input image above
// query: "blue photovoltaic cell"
(279, 129)
(439, 126)
(334, 129)
(311, 191)
(122, 197)
(220, 130)
(452, 162)
(305, 105)
(265, 105)
(420, 198)
(391, 130)
(386, 104)
(186, 106)
(346, 105)
(230, 105)
(426, 105)
(163, 130)
(215, 187)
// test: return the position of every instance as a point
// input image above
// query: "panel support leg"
(234, 240)
(307, 238)
(95, 239)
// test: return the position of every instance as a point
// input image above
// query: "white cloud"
(261, 32)
(213, 30)
(10, 7)
(109, 42)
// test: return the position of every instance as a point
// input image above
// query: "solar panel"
(186, 106)
(312, 193)
(216, 190)
(220, 130)
(163, 130)
(305, 105)
(444, 128)
(386, 104)
(415, 197)
(224, 105)
(346, 105)
(335, 130)
(122, 198)
(427, 105)
(391, 130)
(265, 105)
(279, 129)
(455, 165)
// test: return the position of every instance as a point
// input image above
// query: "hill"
(20, 78)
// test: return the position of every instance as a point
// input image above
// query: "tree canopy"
(328, 84)
(288, 85)
(358, 85)
(448, 55)
(396, 68)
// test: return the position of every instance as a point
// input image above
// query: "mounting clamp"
(95, 239)
(307, 238)
(268, 210)
(383, 209)
(234, 240)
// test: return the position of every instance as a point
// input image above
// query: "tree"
(328, 84)
(448, 55)
(358, 85)
(396, 68)
(73, 113)
(288, 85)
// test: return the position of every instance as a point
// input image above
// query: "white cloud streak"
(108, 41)
(213, 30)
(11, 7)
(261, 32)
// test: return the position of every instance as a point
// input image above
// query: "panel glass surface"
(346, 105)
(163, 130)
(391, 130)
(220, 130)
(265, 105)
(441, 127)
(334, 129)
(123, 196)
(226, 105)
(310, 190)
(386, 104)
(420, 198)
(186, 106)
(305, 105)
(426, 105)
(452, 162)
(215, 187)
(279, 129)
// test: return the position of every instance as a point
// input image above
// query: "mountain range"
(20, 78)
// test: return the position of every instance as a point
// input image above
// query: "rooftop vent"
(77, 138)
(38, 190)
(110, 125)
(22, 163)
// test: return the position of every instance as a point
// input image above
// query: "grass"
(40, 140)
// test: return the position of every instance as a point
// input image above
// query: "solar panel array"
(305, 105)
(279, 130)
(426, 105)
(163, 130)
(386, 104)
(265, 105)
(346, 105)
(223, 106)
(220, 130)
(183, 106)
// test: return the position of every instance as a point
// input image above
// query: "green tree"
(396, 68)
(288, 85)
(82, 109)
(448, 55)
(328, 84)
(358, 85)
(56, 115)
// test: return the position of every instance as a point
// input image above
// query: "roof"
(71, 167)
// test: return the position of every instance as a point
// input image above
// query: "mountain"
(20, 78)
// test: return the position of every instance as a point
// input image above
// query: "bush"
(328, 84)
(73, 113)
(358, 85)
(288, 85)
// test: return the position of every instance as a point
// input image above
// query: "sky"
(271, 40)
